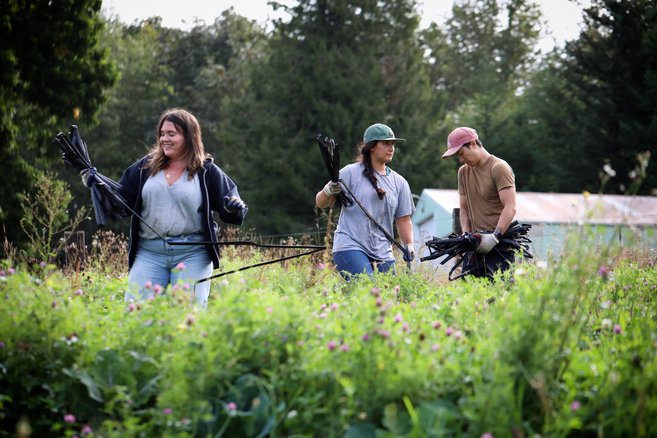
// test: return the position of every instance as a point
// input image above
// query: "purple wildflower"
(384, 333)
(69, 418)
(575, 405)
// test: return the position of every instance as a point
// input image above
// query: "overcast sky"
(564, 16)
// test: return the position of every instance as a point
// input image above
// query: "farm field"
(292, 350)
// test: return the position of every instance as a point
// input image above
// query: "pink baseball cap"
(457, 138)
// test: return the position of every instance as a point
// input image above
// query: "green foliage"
(282, 351)
(597, 96)
(617, 92)
(46, 77)
(46, 217)
(334, 68)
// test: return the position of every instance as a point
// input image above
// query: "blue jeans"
(155, 268)
(353, 262)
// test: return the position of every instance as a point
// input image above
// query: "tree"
(47, 78)
(611, 71)
(480, 64)
(593, 105)
(210, 76)
(335, 67)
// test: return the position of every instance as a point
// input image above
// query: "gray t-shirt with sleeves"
(355, 230)
(171, 210)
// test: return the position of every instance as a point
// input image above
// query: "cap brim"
(451, 152)
(393, 139)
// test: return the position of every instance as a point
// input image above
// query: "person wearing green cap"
(359, 245)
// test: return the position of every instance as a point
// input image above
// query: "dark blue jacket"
(215, 185)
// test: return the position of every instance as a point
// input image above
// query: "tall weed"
(46, 217)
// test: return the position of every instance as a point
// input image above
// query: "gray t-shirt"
(171, 210)
(355, 230)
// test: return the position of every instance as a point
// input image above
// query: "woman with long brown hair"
(174, 190)
(359, 245)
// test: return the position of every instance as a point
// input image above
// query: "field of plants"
(291, 350)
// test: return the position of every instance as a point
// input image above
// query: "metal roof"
(569, 208)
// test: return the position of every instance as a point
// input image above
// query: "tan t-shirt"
(481, 185)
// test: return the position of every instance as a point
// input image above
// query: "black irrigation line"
(514, 239)
(108, 203)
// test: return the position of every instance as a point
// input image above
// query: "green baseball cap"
(378, 132)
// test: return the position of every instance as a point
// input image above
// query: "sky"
(563, 16)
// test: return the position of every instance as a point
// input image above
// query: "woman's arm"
(405, 229)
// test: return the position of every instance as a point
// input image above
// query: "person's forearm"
(405, 230)
(505, 219)
(322, 200)
(465, 222)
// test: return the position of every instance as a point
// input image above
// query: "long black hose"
(109, 204)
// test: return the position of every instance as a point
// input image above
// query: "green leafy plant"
(45, 217)
(295, 351)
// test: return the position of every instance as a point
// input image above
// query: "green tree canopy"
(51, 71)
(612, 73)
(334, 67)
(593, 104)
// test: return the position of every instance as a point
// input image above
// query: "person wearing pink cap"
(487, 194)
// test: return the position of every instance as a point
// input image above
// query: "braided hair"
(365, 157)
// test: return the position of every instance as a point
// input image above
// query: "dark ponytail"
(365, 157)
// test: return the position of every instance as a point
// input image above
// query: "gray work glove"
(233, 204)
(332, 188)
(486, 243)
(410, 253)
